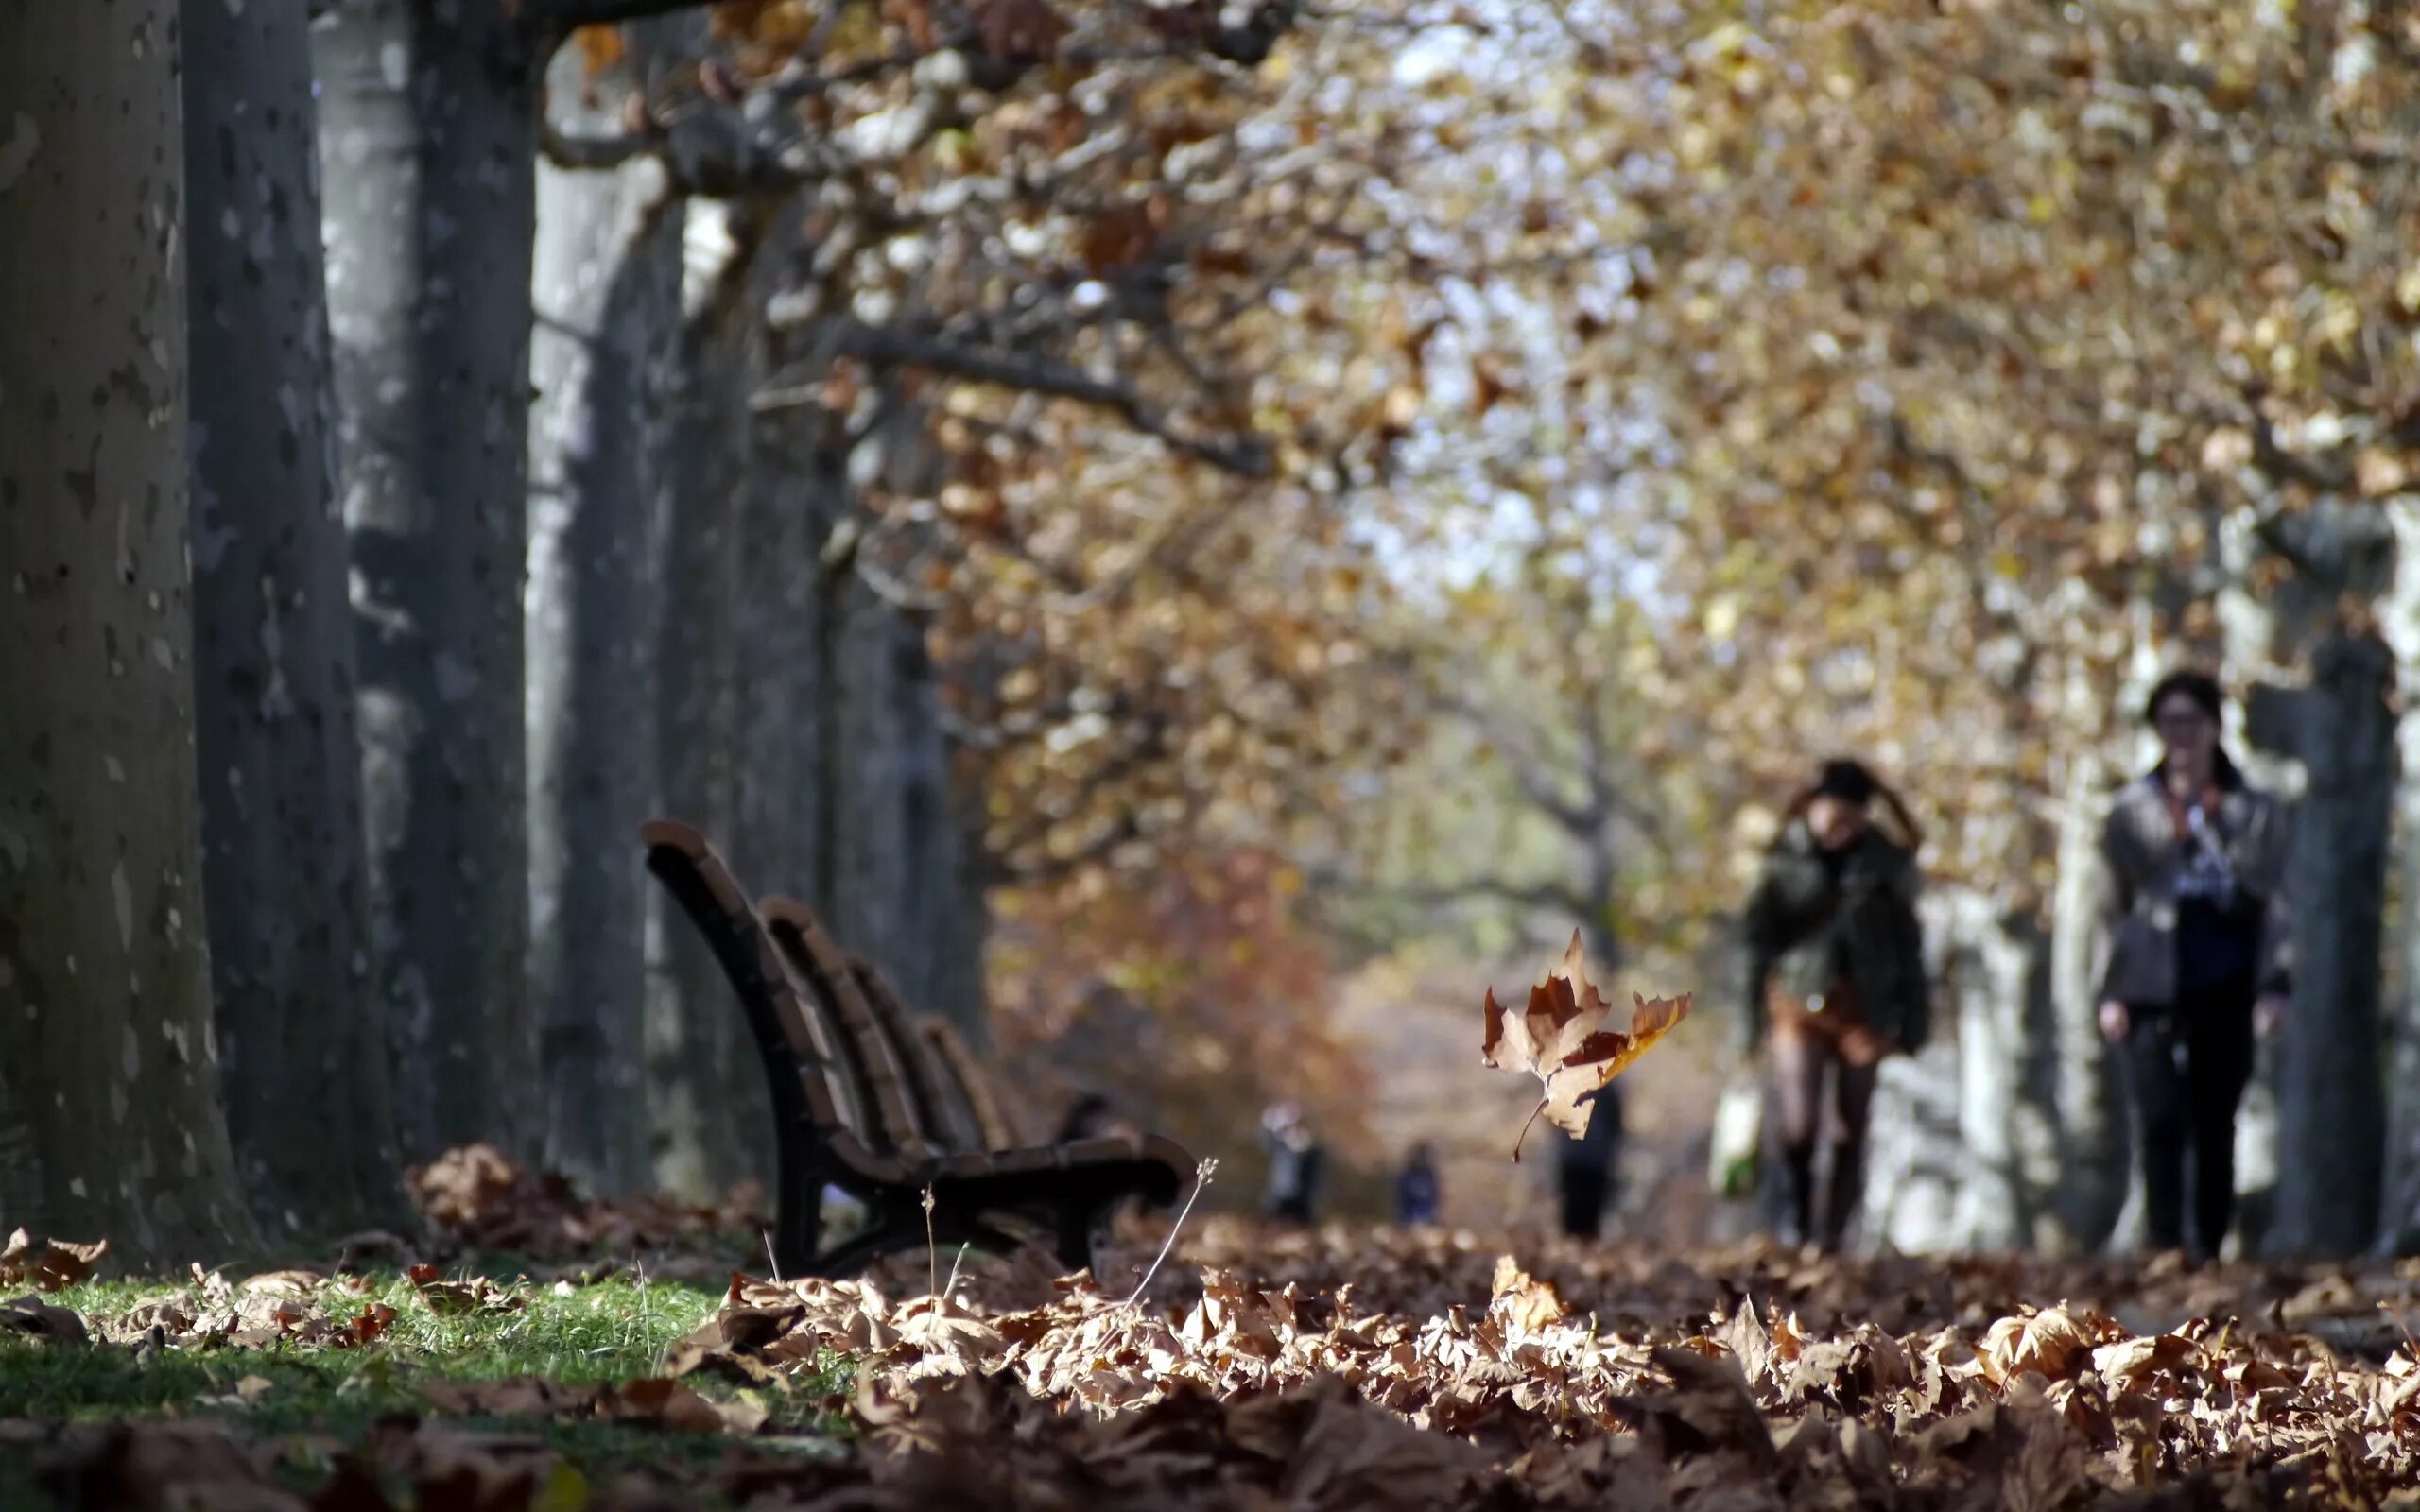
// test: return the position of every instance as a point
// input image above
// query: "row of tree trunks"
(301, 1032)
(110, 1119)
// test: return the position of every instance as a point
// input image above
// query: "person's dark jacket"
(2142, 861)
(1809, 921)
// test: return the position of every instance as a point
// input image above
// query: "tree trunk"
(429, 139)
(607, 298)
(2399, 1223)
(960, 989)
(943, 965)
(2094, 1136)
(1992, 984)
(2331, 1108)
(784, 516)
(699, 1069)
(302, 1044)
(869, 823)
(110, 1122)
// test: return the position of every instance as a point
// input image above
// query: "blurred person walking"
(1587, 1168)
(1418, 1192)
(2199, 957)
(1297, 1166)
(1834, 982)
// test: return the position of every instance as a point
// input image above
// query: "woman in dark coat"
(1835, 982)
(2199, 956)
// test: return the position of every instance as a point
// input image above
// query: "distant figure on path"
(1296, 1165)
(2199, 956)
(1585, 1167)
(1417, 1190)
(1834, 982)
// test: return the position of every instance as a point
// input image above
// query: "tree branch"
(560, 16)
(1528, 895)
(1248, 457)
(594, 153)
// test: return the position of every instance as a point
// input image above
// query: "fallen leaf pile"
(2044, 1404)
(480, 1199)
(1347, 1371)
(1562, 1039)
(283, 1308)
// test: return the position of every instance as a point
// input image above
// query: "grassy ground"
(606, 1331)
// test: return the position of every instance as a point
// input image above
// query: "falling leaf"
(1561, 1039)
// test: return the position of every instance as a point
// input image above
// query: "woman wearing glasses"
(2200, 957)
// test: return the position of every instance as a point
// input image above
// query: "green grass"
(614, 1329)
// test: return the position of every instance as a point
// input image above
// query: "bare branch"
(1247, 456)
(595, 153)
(1547, 895)
(558, 16)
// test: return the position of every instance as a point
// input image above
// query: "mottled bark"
(784, 515)
(700, 1074)
(869, 823)
(959, 984)
(2332, 1131)
(111, 1123)
(429, 135)
(2399, 1220)
(943, 966)
(607, 298)
(301, 1026)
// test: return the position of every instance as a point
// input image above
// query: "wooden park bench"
(886, 1105)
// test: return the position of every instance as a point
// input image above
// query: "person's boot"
(1794, 1198)
(1843, 1200)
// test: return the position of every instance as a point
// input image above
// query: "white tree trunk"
(2094, 1135)
(429, 138)
(607, 298)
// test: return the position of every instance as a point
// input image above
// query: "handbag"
(1738, 1128)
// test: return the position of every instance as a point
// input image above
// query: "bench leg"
(1078, 1223)
(798, 1219)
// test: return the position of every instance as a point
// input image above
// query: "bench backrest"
(792, 1033)
(835, 993)
(957, 1064)
(943, 1105)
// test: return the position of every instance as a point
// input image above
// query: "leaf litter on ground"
(1343, 1367)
